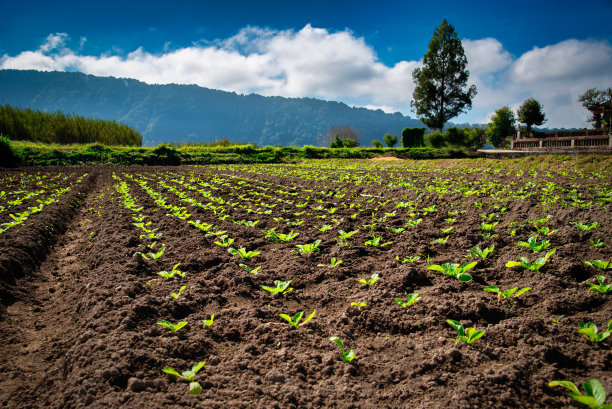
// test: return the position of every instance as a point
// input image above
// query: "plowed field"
(82, 294)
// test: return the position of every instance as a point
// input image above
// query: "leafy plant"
(440, 240)
(468, 335)
(359, 304)
(477, 252)
(535, 266)
(506, 294)
(448, 229)
(243, 253)
(280, 287)
(151, 255)
(589, 330)
(375, 241)
(398, 230)
(410, 300)
(546, 231)
(413, 223)
(374, 278)
(595, 394)
(598, 243)
(173, 327)
(587, 227)
(295, 320)
(175, 295)
(208, 323)
(250, 270)
(534, 245)
(409, 259)
(454, 270)
(169, 274)
(308, 248)
(194, 387)
(346, 355)
(333, 263)
(324, 228)
(224, 241)
(598, 263)
(600, 288)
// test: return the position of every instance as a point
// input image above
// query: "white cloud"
(340, 66)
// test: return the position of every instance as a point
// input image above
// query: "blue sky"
(358, 52)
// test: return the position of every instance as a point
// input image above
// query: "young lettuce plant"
(589, 330)
(600, 288)
(534, 245)
(343, 237)
(598, 243)
(346, 355)
(440, 240)
(595, 394)
(477, 252)
(295, 320)
(224, 241)
(409, 259)
(410, 300)
(249, 270)
(175, 295)
(375, 241)
(587, 227)
(359, 304)
(208, 323)
(281, 287)
(535, 266)
(454, 270)
(308, 248)
(173, 327)
(468, 335)
(506, 294)
(169, 274)
(369, 281)
(598, 263)
(194, 387)
(243, 253)
(333, 263)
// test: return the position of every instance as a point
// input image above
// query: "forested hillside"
(188, 113)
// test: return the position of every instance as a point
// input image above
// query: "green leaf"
(492, 289)
(196, 368)
(586, 400)
(512, 264)
(436, 267)
(286, 318)
(566, 384)
(522, 291)
(456, 325)
(348, 356)
(309, 317)
(339, 342)
(465, 277)
(172, 371)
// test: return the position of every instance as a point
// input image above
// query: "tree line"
(26, 124)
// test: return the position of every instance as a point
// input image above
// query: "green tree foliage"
(390, 140)
(440, 86)
(29, 125)
(377, 144)
(341, 136)
(501, 126)
(470, 138)
(531, 113)
(413, 137)
(599, 104)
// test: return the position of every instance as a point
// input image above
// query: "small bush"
(8, 157)
(390, 140)
(435, 139)
(377, 144)
(413, 137)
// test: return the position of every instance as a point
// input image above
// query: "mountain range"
(189, 113)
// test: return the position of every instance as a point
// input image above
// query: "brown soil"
(79, 324)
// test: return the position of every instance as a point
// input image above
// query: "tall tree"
(501, 126)
(599, 103)
(441, 91)
(531, 113)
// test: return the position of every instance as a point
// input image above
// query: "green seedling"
(194, 387)
(448, 229)
(151, 255)
(598, 263)
(587, 227)
(346, 356)
(175, 295)
(151, 236)
(409, 259)
(295, 320)
(202, 226)
(214, 231)
(541, 220)
(477, 252)
(489, 227)
(546, 231)
(413, 223)
(208, 323)
(598, 243)
(250, 270)
(450, 220)
(466, 335)
(489, 217)
(535, 266)
(600, 288)
(224, 241)
(308, 248)
(169, 274)
(534, 245)
(374, 278)
(359, 304)
(410, 300)
(556, 320)
(243, 253)
(595, 394)
(399, 230)
(324, 228)
(454, 270)
(506, 294)
(343, 237)
(589, 330)
(281, 287)
(173, 327)
(375, 241)
(333, 263)
(440, 240)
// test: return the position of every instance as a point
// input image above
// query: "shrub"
(413, 137)
(377, 144)
(8, 157)
(435, 139)
(390, 140)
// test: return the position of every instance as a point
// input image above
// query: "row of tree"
(36, 126)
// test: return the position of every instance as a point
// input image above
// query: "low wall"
(585, 142)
